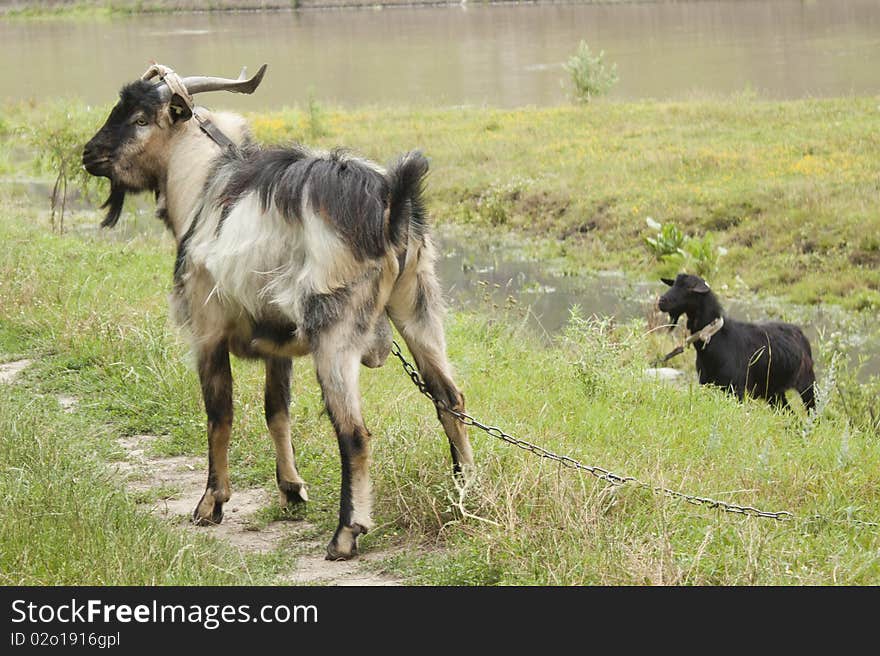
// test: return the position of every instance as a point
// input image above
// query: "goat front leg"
(291, 486)
(337, 371)
(216, 378)
(778, 400)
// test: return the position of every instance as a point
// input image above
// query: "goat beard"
(114, 204)
(673, 321)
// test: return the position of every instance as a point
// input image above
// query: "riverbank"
(93, 8)
(787, 190)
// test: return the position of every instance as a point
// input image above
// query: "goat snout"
(96, 160)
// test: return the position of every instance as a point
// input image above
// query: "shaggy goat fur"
(285, 252)
(763, 360)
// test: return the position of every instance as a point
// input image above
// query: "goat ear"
(668, 281)
(701, 287)
(179, 109)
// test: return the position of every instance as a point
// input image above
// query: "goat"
(282, 252)
(763, 360)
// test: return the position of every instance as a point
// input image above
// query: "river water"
(481, 275)
(501, 55)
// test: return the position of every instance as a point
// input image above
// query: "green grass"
(90, 308)
(66, 521)
(790, 189)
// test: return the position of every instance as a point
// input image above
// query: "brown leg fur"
(337, 370)
(216, 379)
(291, 486)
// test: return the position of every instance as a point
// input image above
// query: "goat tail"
(406, 207)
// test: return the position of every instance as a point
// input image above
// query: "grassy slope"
(90, 307)
(789, 188)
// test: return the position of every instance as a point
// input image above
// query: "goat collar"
(206, 126)
(705, 334)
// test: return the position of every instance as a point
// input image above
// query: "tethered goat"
(763, 360)
(282, 253)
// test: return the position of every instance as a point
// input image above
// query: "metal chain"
(605, 474)
(567, 461)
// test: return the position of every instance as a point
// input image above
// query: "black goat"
(764, 359)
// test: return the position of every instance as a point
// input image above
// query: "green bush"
(58, 137)
(668, 240)
(589, 73)
(682, 252)
(315, 117)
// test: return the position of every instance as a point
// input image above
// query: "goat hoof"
(343, 546)
(209, 512)
(292, 493)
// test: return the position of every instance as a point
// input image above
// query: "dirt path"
(176, 484)
(9, 370)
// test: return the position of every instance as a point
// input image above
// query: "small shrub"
(680, 251)
(496, 204)
(589, 73)
(701, 255)
(315, 117)
(668, 240)
(58, 137)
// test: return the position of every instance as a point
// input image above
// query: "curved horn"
(241, 85)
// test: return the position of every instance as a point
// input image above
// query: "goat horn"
(242, 85)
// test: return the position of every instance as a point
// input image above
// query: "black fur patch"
(142, 95)
(407, 209)
(114, 204)
(320, 311)
(182, 247)
(274, 331)
(162, 213)
(225, 210)
(349, 194)
(215, 375)
(276, 396)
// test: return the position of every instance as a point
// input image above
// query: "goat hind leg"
(216, 379)
(338, 377)
(291, 486)
(421, 326)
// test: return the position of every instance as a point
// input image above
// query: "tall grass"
(91, 311)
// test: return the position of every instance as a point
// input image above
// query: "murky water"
(498, 55)
(480, 276)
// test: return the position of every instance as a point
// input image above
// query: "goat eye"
(141, 121)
